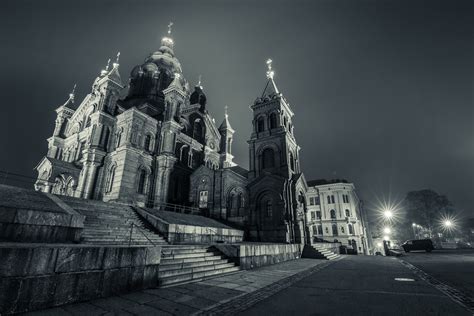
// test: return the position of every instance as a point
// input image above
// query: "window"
(333, 214)
(334, 230)
(273, 120)
(142, 182)
(268, 158)
(316, 200)
(268, 208)
(105, 137)
(320, 229)
(342, 230)
(329, 199)
(318, 214)
(203, 195)
(292, 161)
(351, 229)
(260, 125)
(327, 230)
(313, 216)
(230, 201)
(348, 213)
(239, 201)
(345, 198)
(315, 230)
(332, 199)
(147, 144)
(311, 201)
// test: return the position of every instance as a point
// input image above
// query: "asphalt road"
(452, 267)
(360, 285)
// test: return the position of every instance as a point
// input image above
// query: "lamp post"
(414, 230)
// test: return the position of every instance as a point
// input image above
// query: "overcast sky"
(382, 90)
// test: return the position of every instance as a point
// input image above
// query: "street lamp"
(387, 230)
(388, 214)
(448, 224)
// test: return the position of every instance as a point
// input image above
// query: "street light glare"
(387, 230)
(388, 214)
(448, 223)
(386, 238)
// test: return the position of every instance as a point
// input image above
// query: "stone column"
(89, 182)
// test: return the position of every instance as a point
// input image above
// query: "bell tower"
(276, 186)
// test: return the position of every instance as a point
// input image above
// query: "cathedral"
(152, 142)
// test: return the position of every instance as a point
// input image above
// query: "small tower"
(108, 86)
(227, 134)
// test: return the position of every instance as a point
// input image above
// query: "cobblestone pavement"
(213, 296)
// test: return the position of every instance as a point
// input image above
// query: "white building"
(335, 213)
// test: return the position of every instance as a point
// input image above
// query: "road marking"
(457, 296)
(404, 280)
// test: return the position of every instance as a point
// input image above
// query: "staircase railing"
(140, 230)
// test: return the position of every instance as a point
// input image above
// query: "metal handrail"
(140, 230)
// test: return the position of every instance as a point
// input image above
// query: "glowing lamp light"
(414, 224)
(379, 244)
(448, 224)
(387, 230)
(388, 214)
(386, 238)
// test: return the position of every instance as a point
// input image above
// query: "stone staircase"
(319, 253)
(112, 224)
(190, 263)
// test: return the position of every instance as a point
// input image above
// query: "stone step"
(193, 270)
(190, 277)
(178, 251)
(116, 231)
(166, 261)
(166, 267)
(190, 255)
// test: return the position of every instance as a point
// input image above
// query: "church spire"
(270, 87)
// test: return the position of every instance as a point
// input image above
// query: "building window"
(333, 214)
(334, 230)
(348, 213)
(147, 143)
(203, 195)
(313, 216)
(268, 158)
(332, 199)
(345, 198)
(260, 124)
(329, 199)
(142, 182)
(320, 229)
(327, 231)
(311, 201)
(342, 230)
(292, 161)
(318, 214)
(315, 230)
(273, 120)
(316, 200)
(268, 208)
(351, 229)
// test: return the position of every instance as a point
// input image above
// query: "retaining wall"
(254, 255)
(35, 277)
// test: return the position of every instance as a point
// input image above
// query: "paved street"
(360, 285)
(453, 267)
(353, 285)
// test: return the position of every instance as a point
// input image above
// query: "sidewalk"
(213, 296)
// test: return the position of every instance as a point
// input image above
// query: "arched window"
(342, 230)
(230, 201)
(273, 120)
(260, 125)
(147, 143)
(110, 179)
(142, 181)
(239, 201)
(334, 230)
(268, 158)
(285, 122)
(198, 131)
(268, 208)
(333, 214)
(351, 229)
(348, 213)
(329, 199)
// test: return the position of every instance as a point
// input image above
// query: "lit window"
(203, 195)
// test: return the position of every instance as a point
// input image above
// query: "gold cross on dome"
(270, 72)
(169, 27)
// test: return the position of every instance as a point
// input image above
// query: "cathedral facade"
(153, 143)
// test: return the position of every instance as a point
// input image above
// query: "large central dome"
(148, 80)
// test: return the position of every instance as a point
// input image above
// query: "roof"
(270, 88)
(239, 170)
(225, 125)
(312, 183)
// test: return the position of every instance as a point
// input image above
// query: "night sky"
(382, 90)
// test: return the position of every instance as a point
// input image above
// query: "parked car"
(418, 244)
